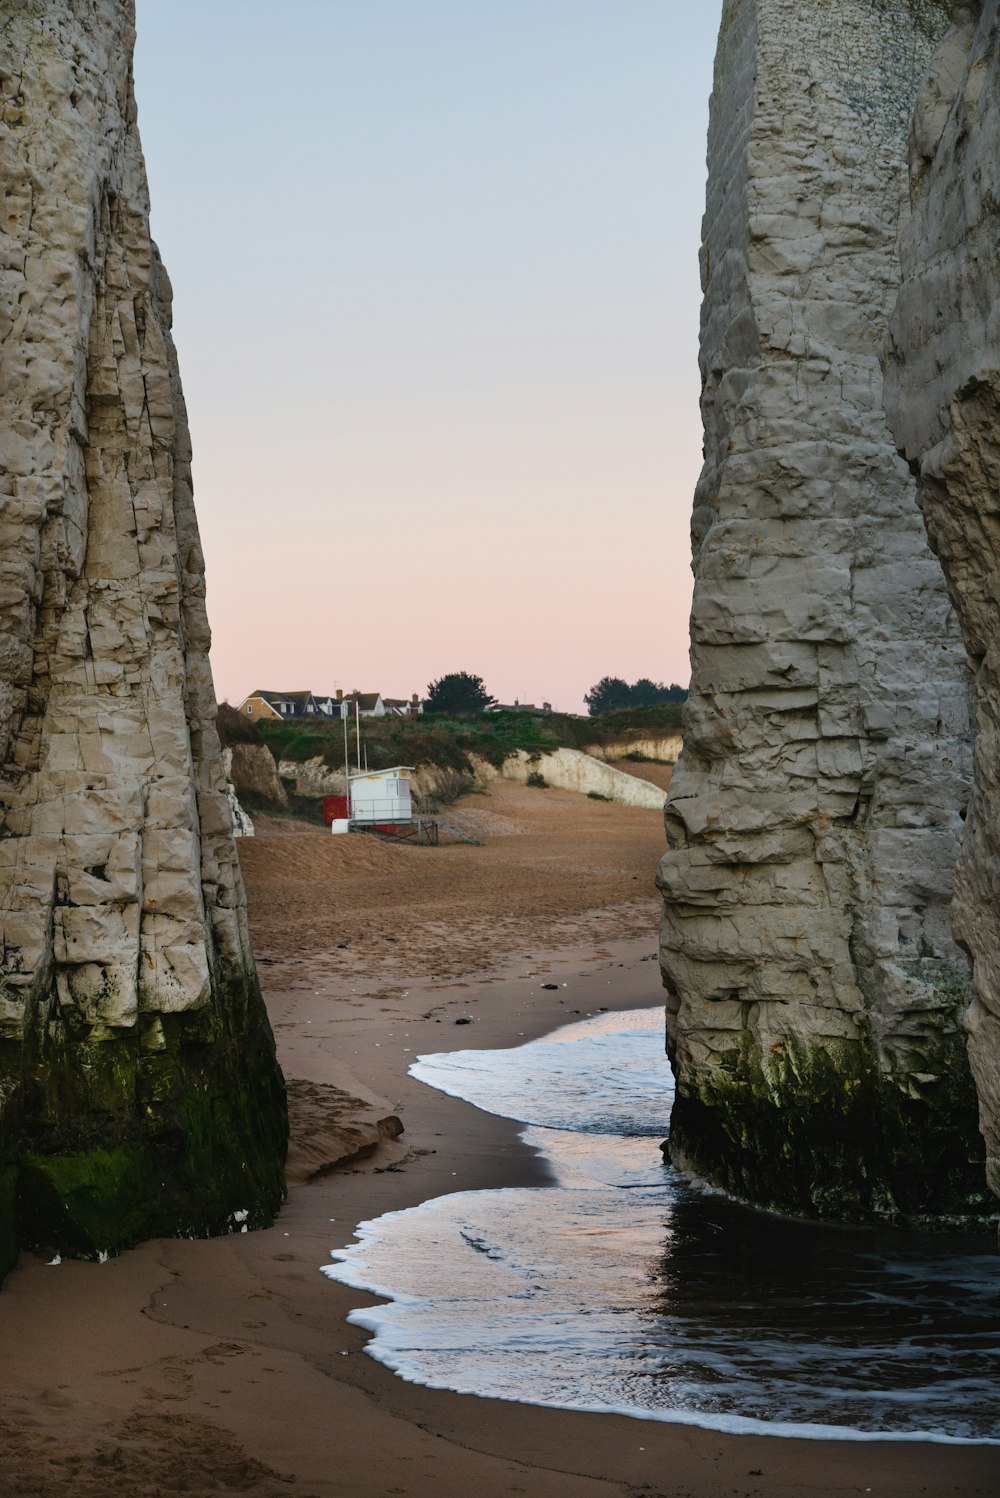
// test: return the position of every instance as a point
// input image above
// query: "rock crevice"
(943, 396)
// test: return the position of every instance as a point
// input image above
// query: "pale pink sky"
(436, 303)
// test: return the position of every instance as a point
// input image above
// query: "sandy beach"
(227, 1366)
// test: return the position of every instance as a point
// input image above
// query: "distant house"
(289, 706)
(280, 705)
(404, 707)
(365, 704)
(521, 707)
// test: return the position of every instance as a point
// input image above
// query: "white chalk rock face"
(943, 396)
(132, 1037)
(664, 751)
(310, 777)
(814, 818)
(242, 822)
(572, 770)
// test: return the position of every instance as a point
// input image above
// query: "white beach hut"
(379, 796)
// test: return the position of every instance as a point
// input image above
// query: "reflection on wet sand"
(622, 1288)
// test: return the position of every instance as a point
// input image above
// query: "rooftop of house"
(521, 707)
(283, 696)
(320, 704)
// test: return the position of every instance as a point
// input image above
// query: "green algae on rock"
(139, 1090)
(9, 1135)
(826, 1133)
(124, 1139)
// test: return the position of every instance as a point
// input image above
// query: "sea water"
(622, 1288)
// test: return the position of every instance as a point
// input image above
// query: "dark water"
(621, 1288)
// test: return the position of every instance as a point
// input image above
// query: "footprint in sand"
(221, 1350)
(56, 1398)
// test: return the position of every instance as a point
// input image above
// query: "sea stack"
(139, 1091)
(816, 994)
(943, 395)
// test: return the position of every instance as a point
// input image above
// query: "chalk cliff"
(943, 395)
(255, 775)
(139, 1092)
(242, 823)
(815, 992)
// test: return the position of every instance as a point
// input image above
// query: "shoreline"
(288, 1386)
(396, 1342)
(227, 1365)
(626, 1452)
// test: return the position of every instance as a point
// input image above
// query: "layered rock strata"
(943, 395)
(663, 751)
(815, 993)
(139, 1092)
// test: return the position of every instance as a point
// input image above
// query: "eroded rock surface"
(255, 775)
(816, 993)
(943, 395)
(660, 750)
(139, 1092)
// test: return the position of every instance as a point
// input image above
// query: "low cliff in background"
(139, 1092)
(278, 766)
(943, 394)
(816, 995)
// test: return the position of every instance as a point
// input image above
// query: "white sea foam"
(607, 1075)
(619, 1289)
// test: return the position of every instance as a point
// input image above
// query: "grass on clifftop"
(433, 739)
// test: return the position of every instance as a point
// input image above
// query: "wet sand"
(227, 1366)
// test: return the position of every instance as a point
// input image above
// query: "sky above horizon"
(435, 269)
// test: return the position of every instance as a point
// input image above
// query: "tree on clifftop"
(646, 693)
(458, 693)
(610, 695)
(613, 695)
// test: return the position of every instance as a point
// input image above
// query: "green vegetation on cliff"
(447, 743)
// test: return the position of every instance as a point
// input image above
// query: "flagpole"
(347, 762)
